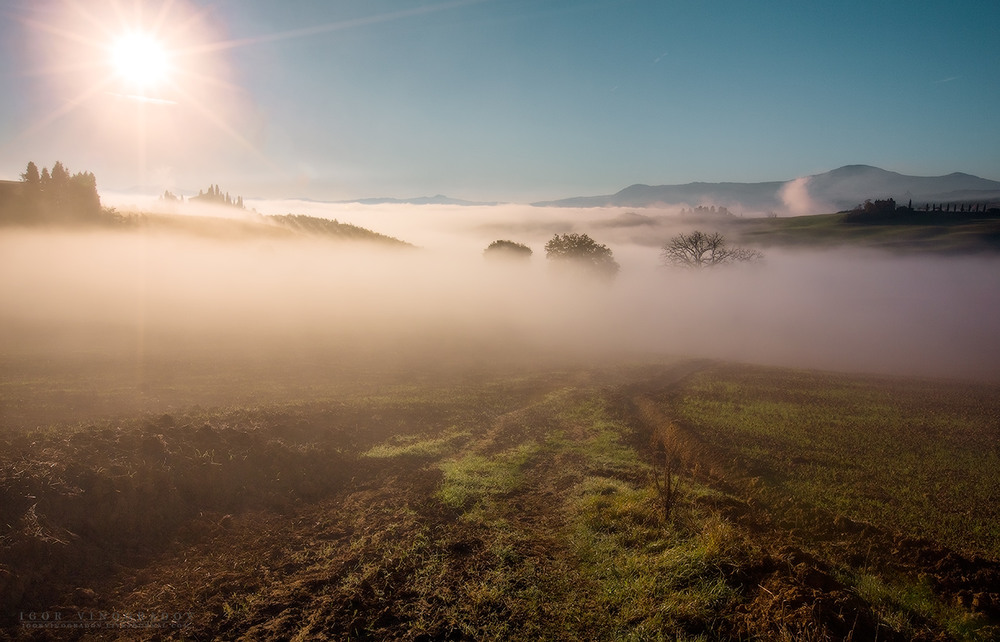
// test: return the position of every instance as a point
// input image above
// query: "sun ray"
(62, 68)
(68, 34)
(208, 79)
(162, 16)
(144, 99)
(69, 106)
(226, 128)
(97, 25)
(158, 58)
(331, 27)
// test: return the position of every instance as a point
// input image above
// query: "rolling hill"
(836, 190)
(439, 199)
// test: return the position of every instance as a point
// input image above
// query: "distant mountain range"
(837, 190)
(439, 199)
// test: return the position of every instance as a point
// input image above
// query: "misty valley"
(499, 320)
(440, 420)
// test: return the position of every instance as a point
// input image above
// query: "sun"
(139, 59)
(147, 79)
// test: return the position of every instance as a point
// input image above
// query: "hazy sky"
(514, 100)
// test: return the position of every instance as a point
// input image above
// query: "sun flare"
(140, 60)
(149, 78)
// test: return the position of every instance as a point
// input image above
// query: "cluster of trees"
(874, 209)
(886, 211)
(54, 196)
(215, 195)
(702, 211)
(568, 252)
(581, 253)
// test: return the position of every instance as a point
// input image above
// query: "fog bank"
(137, 294)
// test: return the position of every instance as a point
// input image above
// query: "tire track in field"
(804, 543)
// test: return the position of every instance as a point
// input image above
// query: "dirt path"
(491, 513)
(383, 555)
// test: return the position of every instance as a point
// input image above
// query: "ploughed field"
(669, 500)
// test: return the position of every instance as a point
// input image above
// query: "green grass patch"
(945, 235)
(475, 478)
(587, 431)
(906, 604)
(653, 575)
(915, 455)
(615, 568)
(418, 446)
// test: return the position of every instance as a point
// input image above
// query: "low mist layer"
(137, 298)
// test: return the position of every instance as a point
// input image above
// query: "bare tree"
(699, 249)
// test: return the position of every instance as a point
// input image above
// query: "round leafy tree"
(507, 250)
(582, 252)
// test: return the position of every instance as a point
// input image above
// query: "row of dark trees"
(886, 211)
(54, 196)
(581, 253)
(967, 208)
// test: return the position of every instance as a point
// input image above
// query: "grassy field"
(512, 504)
(921, 455)
(942, 235)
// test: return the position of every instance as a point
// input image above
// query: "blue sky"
(512, 100)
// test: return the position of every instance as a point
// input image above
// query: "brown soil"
(268, 524)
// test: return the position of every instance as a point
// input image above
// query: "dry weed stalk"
(666, 467)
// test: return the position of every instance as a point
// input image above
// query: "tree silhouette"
(215, 195)
(26, 205)
(57, 188)
(579, 251)
(700, 250)
(54, 197)
(30, 176)
(59, 174)
(82, 197)
(508, 250)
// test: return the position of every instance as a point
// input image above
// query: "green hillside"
(946, 233)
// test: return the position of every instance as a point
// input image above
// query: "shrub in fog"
(580, 252)
(506, 250)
